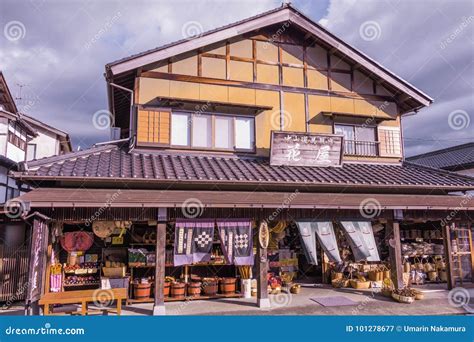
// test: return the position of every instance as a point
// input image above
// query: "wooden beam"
(262, 269)
(159, 304)
(262, 86)
(392, 235)
(448, 256)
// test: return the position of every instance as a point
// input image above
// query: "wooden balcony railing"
(361, 148)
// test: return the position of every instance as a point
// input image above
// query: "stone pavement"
(369, 302)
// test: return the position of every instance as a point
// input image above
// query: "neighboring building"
(459, 159)
(199, 120)
(49, 141)
(21, 138)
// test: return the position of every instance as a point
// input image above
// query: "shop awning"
(128, 198)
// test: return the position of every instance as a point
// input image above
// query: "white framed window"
(202, 131)
(180, 129)
(224, 132)
(244, 133)
(212, 131)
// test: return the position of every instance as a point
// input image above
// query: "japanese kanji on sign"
(305, 149)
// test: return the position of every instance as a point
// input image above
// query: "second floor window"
(212, 131)
(17, 136)
(358, 140)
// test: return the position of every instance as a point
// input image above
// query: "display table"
(84, 297)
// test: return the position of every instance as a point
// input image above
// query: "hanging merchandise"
(236, 241)
(362, 241)
(325, 232)
(193, 241)
(77, 241)
(103, 229)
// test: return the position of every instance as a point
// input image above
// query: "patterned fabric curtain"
(325, 232)
(361, 239)
(193, 241)
(236, 241)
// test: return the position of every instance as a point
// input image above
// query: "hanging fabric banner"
(327, 239)
(325, 232)
(236, 241)
(361, 239)
(308, 241)
(193, 241)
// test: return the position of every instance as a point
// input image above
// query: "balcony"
(361, 148)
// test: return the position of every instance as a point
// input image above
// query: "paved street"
(368, 303)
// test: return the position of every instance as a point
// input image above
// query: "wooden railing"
(361, 148)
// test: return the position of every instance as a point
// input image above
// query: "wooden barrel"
(166, 290)
(209, 286)
(227, 285)
(177, 290)
(194, 289)
(141, 291)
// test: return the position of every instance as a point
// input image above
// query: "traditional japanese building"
(271, 122)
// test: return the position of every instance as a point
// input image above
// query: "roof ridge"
(58, 158)
(442, 171)
(205, 33)
(437, 152)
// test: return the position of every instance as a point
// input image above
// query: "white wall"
(46, 142)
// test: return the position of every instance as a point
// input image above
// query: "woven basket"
(360, 285)
(403, 299)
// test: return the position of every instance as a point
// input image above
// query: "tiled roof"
(110, 162)
(453, 158)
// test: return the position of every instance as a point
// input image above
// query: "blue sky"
(59, 52)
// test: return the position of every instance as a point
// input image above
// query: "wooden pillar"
(449, 256)
(392, 235)
(159, 303)
(262, 268)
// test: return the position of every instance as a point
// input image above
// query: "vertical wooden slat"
(448, 256)
(262, 270)
(392, 236)
(159, 304)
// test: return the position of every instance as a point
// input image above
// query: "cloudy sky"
(55, 51)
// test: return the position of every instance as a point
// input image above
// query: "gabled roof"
(62, 136)
(454, 158)
(6, 98)
(116, 165)
(278, 15)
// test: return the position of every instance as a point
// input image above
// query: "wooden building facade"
(196, 119)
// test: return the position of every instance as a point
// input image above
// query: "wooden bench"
(84, 297)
